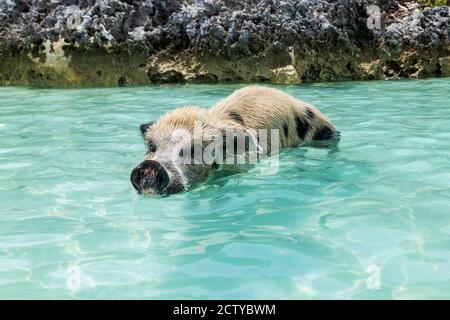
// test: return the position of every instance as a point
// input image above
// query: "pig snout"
(149, 177)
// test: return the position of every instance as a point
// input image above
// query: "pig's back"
(257, 107)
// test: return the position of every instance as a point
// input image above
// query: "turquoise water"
(329, 224)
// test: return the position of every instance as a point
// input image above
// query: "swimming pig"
(185, 145)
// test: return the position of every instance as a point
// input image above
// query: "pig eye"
(151, 146)
(181, 152)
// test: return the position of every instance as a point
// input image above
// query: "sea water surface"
(370, 219)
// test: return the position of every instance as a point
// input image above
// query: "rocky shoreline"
(112, 42)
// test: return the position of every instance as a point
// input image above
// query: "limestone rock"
(119, 42)
(285, 75)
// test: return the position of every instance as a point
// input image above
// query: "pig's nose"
(150, 177)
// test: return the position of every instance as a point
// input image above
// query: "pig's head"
(183, 147)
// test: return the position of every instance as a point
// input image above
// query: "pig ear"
(144, 127)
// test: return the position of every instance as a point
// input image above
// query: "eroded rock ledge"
(113, 42)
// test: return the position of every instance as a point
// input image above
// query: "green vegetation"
(433, 3)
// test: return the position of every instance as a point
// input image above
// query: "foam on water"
(369, 220)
